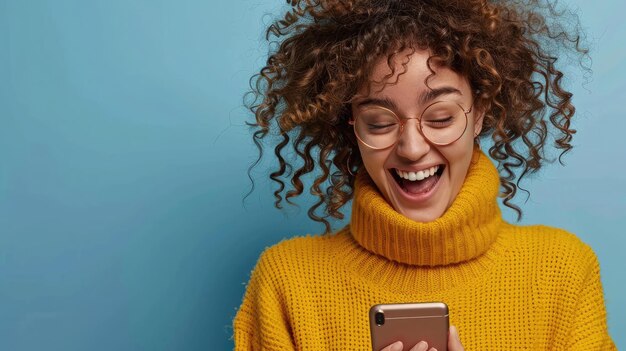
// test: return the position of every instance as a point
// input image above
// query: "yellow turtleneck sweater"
(508, 287)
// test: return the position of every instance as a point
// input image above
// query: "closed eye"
(440, 122)
(380, 126)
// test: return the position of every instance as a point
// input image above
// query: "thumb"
(454, 341)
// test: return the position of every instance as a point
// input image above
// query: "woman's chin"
(421, 215)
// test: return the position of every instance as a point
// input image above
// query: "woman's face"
(424, 200)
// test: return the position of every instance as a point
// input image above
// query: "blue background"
(123, 158)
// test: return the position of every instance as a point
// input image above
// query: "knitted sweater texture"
(507, 287)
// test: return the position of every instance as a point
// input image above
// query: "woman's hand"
(454, 343)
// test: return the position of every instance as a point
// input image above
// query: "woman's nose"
(411, 143)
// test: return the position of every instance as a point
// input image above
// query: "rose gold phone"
(409, 323)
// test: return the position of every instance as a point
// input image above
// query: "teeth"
(419, 175)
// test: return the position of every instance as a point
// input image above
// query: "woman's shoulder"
(547, 235)
(552, 245)
(298, 252)
(298, 245)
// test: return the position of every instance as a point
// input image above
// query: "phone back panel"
(410, 323)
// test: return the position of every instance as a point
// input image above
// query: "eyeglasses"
(441, 123)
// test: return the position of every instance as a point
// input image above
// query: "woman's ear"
(479, 115)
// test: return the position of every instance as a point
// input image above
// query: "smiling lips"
(419, 182)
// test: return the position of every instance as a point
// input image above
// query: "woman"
(388, 101)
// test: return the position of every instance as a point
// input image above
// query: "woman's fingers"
(420, 346)
(454, 344)
(396, 346)
(454, 341)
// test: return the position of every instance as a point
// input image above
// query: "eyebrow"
(424, 97)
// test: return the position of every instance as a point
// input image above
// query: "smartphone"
(409, 323)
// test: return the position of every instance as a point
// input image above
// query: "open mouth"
(420, 182)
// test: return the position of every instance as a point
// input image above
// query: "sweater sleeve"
(589, 328)
(261, 322)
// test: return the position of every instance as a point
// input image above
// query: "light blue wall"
(123, 157)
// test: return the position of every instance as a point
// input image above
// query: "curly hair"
(326, 49)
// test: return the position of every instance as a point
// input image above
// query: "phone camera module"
(379, 317)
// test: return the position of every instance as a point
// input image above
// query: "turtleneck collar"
(465, 231)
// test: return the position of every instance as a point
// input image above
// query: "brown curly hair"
(326, 49)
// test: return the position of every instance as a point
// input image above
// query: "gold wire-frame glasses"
(441, 123)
